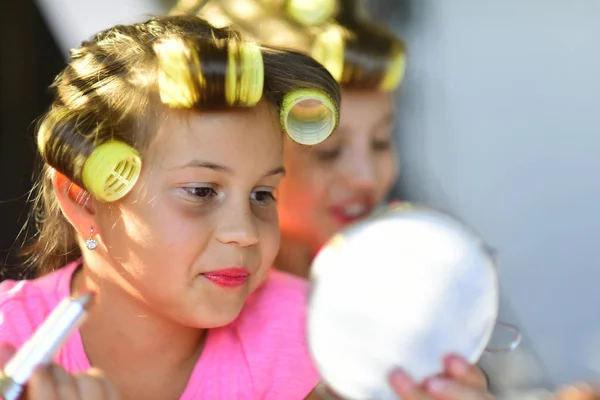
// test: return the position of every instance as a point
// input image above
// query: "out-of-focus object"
(305, 12)
(42, 346)
(578, 392)
(402, 288)
(500, 342)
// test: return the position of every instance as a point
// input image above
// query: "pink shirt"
(261, 355)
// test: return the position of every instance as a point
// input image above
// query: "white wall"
(72, 21)
(499, 122)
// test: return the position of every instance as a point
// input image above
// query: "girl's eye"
(328, 155)
(381, 145)
(262, 197)
(201, 193)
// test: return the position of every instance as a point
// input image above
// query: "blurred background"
(498, 122)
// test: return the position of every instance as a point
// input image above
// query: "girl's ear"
(75, 203)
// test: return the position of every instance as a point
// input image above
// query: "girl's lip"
(229, 277)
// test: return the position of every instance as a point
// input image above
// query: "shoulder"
(25, 304)
(273, 331)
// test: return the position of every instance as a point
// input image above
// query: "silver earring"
(91, 243)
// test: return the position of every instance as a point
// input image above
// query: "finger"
(41, 385)
(405, 387)
(580, 391)
(324, 392)
(66, 389)
(459, 369)
(442, 388)
(109, 390)
(6, 353)
(90, 387)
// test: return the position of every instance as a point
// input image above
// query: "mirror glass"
(402, 288)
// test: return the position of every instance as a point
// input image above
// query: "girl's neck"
(295, 256)
(136, 348)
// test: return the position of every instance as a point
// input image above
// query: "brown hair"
(371, 52)
(370, 48)
(109, 91)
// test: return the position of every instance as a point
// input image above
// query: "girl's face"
(199, 232)
(342, 179)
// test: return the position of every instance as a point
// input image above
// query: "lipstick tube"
(43, 345)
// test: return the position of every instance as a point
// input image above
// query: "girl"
(341, 180)
(162, 153)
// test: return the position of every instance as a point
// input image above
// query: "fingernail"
(401, 380)
(437, 385)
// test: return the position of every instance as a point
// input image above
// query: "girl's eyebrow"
(204, 164)
(222, 168)
(275, 171)
(385, 120)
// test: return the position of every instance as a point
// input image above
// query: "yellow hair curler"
(328, 50)
(246, 87)
(176, 83)
(395, 71)
(310, 13)
(111, 171)
(182, 84)
(308, 116)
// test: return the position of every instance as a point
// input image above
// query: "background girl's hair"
(110, 91)
(371, 51)
(372, 56)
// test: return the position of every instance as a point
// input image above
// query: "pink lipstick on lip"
(230, 277)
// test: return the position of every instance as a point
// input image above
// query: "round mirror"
(400, 289)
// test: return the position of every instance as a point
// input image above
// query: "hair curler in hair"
(111, 171)
(107, 170)
(328, 49)
(374, 57)
(306, 13)
(184, 82)
(245, 74)
(395, 70)
(308, 116)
